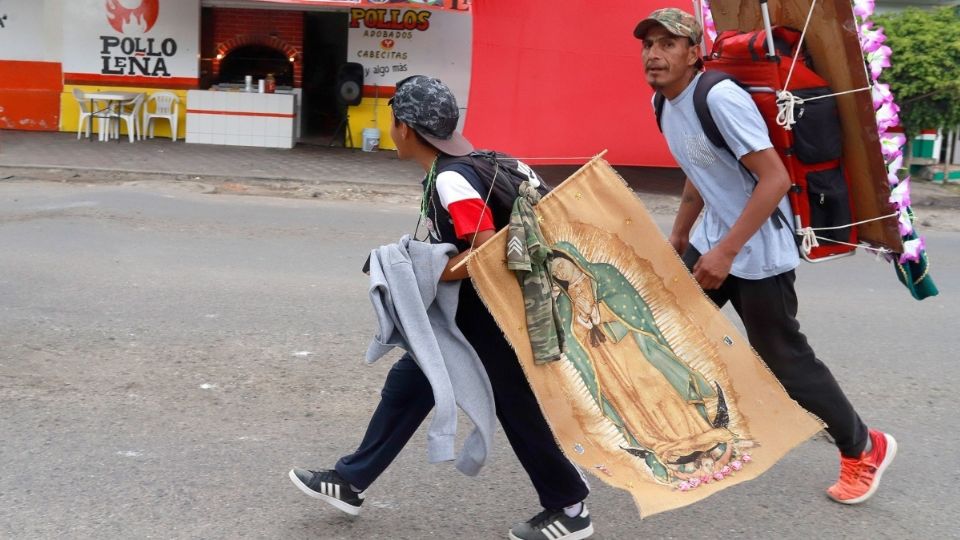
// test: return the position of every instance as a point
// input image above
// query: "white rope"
(888, 216)
(803, 34)
(878, 250)
(808, 240)
(808, 236)
(534, 182)
(570, 158)
(496, 172)
(786, 101)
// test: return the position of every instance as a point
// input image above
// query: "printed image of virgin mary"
(655, 399)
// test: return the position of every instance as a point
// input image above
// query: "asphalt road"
(167, 355)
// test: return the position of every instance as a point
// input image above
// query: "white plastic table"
(111, 100)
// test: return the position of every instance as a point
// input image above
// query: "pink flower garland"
(708, 25)
(877, 56)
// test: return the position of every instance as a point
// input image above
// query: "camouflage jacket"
(528, 257)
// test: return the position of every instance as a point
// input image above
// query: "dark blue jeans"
(407, 398)
(768, 309)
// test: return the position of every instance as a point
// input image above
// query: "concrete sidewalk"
(304, 163)
(307, 166)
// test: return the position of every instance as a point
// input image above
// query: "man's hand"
(713, 267)
(772, 184)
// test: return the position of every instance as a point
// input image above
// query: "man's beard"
(653, 84)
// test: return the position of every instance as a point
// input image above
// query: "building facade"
(51, 49)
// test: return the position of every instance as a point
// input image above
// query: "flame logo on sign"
(387, 44)
(136, 15)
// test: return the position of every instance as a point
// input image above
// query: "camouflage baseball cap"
(429, 107)
(676, 21)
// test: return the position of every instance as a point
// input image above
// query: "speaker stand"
(348, 134)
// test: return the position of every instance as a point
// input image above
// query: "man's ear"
(405, 130)
(693, 55)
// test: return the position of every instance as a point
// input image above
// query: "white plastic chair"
(87, 113)
(131, 117)
(166, 106)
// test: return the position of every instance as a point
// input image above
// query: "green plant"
(925, 71)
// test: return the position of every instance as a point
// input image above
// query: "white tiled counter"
(241, 118)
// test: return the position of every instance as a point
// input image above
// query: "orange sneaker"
(860, 477)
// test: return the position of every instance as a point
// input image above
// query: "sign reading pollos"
(129, 55)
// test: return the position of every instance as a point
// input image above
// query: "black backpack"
(501, 175)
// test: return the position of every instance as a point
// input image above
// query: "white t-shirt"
(722, 182)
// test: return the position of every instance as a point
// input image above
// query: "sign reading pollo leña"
(138, 39)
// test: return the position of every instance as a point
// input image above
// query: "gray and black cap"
(429, 107)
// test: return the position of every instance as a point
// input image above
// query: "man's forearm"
(772, 184)
(453, 272)
(759, 208)
(691, 203)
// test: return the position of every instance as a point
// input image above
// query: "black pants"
(407, 398)
(768, 309)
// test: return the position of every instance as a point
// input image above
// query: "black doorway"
(324, 52)
(258, 61)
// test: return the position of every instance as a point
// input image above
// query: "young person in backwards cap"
(425, 116)
(738, 252)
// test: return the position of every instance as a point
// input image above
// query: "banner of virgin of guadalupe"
(655, 392)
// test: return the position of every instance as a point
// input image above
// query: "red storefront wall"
(563, 79)
(30, 95)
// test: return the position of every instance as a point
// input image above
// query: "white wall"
(92, 46)
(439, 44)
(31, 30)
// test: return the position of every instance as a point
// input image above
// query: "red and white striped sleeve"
(464, 204)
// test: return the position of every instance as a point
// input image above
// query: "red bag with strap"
(811, 148)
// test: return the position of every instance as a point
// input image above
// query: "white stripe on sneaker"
(324, 493)
(562, 529)
(548, 532)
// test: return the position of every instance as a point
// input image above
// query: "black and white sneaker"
(328, 486)
(554, 525)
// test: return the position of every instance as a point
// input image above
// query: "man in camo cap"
(676, 21)
(738, 253)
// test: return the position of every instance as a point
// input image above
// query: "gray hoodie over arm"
(416, 312)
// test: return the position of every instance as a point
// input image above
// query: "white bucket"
(371, 139)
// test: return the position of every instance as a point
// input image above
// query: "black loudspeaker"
(350, 84)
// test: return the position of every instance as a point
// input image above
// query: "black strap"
(658, 100)
(707, 81)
